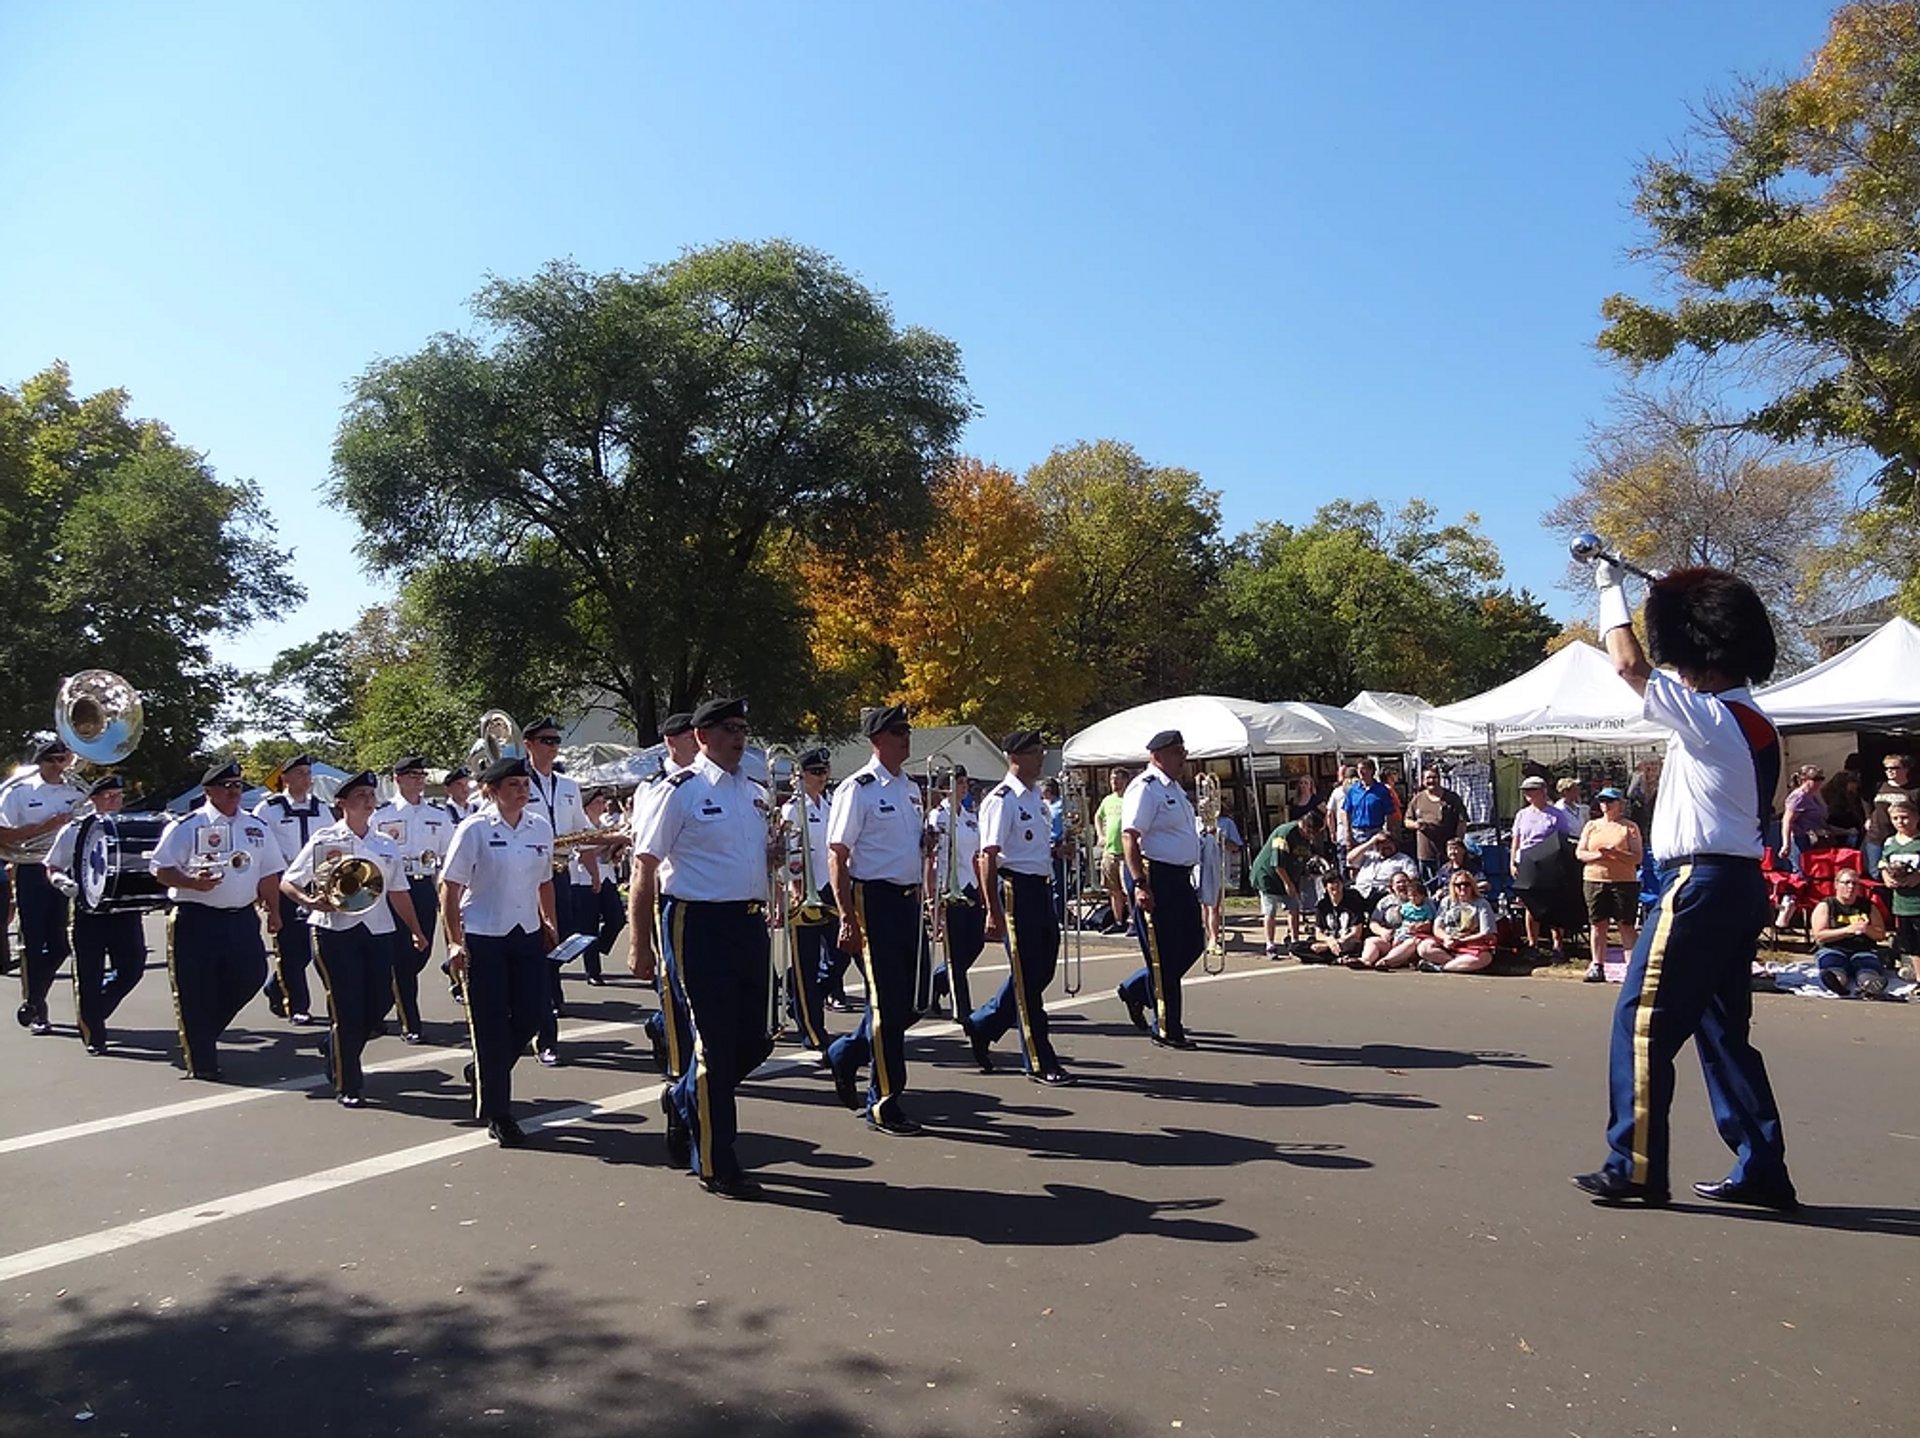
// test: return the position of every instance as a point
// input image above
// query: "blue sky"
(1310, 251)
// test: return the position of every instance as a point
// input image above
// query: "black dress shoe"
(349, 1100)
(679, 1138)
(982, 1046)
(1606, 1186)
(1054, 1078)
(23, 1015)
(659, 1054)
(898, 1123)
(208, 1076)
(1780, 1197)
(276, 1005)
(301, 1021)
(1136, 1011)
(1174, 1041)
(739, 1185)
(40, 1028)
(549, 1058)
(838, 1004)
(846, 1084)
(506, 1133)
(413, 1037)
(96, 1049)
(466, 1072)
(596, 981)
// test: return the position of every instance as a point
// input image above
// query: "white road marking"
(217, 1210)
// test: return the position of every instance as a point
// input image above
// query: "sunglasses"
(899, 731)
(815, 769)
(734, 727)
(229, 784)
(544, 739)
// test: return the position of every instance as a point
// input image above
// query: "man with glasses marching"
(219, 865)
(666, 1026)
(110, 947)
(294, 814)
(422, 833)
(33, 810)
(1162, 844)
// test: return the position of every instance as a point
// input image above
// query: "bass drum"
(110, 857)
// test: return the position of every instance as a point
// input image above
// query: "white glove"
(1607, 579)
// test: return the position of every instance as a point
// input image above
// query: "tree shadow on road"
(1373, 1056)
(514, 1354)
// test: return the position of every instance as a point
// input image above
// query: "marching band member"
(609, 911)
(666, 1026)
(877, 859)
(964, 922)
(806, 821)
(1691, 972)
(421, 833)
(109, 949)
(460, 803)
(356, 948)
(217, 864)
(33, 808)
(556, 798)
(1016, 871)
(496, 901)
(292, 814)
(713, 826)
(1162, 844)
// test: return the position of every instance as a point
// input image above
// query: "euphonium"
(349, 882)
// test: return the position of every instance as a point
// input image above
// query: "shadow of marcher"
(1843, 1218)
(1374, 1056)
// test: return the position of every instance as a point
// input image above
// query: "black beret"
(1021, 739)
(1165, 739)
(365, 779)
(816, 759)
(718, 711)
(501, 769)
(959, 771)
(458, 771)
(298, 761)
(676, 725)
(50, 749)
(540, 726)
(222, 771)
(878, 721)
(106, 782)
(412, 764)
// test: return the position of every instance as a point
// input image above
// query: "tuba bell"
(98, 715)
(500, 736)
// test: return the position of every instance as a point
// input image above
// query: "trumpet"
(349, 883)
(1590, 549)
(205, 866)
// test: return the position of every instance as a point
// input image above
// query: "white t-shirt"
(502, 867)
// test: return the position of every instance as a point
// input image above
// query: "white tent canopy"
(1874, 684)
(1399, 712)
(967, 745)
(1219, 728)
(1572, 694)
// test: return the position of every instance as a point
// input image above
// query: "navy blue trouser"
(610, 910)
(355, 965)
(102, 944)
(1691, 978)
(216, 963)
(807, 984)
(889, 923)
(43, 932)
(506, 997)
(966, 937)
(1033, 951)
(716, 956)
(292, 953)
(1172, 941)
(404, 962)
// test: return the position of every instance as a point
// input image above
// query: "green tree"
(1141, 544)
(1787, 240)
(121, 549)
(649, 441)
(1364, 599)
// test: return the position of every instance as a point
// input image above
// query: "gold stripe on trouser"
(333, 1018)
(473, 1034)
(79, 1008)
(173, 987)
(877, 1054)
(1643, 1026)
(676, 1065)
(1019, 978)
(702, 1070)
(1153, 953)
(815, 1038)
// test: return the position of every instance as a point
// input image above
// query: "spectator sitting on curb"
(1463, 931)
(1339, 924)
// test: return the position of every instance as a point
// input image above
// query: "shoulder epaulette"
(863, 778)
(761, 782)
(681, 777)
(1003, 791)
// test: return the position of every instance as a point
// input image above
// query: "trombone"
(939, 771)
(1073, 942)
(781, 915)
(1206, 797)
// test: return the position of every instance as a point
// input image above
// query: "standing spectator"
(1900, 868)
(1898, 784)
(1280, 875)
(1848, 930)
(1302, 798)
(1846, 813)
(1804, 826)
(1540, 834)
(1371, 805)
(1437, 815)
(1573, 800)
(1338, 823)
(1611, 847)
(1106, 827)
(1642, 790)
(1057, 824)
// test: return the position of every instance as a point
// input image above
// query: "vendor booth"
(1862, 703)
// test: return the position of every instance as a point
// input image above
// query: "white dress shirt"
(292, 822)
(33, 800)
(206, 839)
(420, 833)
(807, 822)
(556, 797)
(965, 845)
(714, 826)
(876, 817)
(337, 840)
(1710, 796)
(502, 866)
(1014, 820)
(1158, 810)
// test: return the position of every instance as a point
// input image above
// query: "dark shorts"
(1618, 902)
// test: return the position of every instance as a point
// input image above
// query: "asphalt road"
(1347, 1214)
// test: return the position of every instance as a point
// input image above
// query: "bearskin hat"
(1703, 618)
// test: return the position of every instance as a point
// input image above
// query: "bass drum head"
(110, 854)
